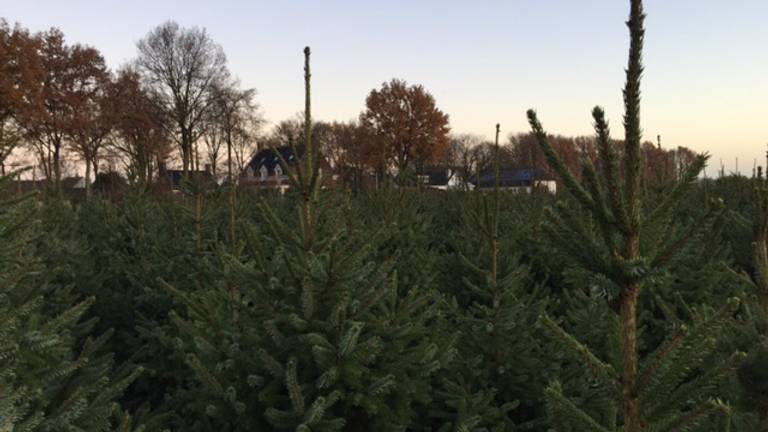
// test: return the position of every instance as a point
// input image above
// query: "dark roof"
(268, 159)
(67, 183)
(174, 176)
(436, 176)
(511, 178)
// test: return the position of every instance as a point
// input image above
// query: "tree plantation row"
(393, 321)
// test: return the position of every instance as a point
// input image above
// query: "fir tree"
(54, 375)
(752, 374)
(316, 334)
(668, 389)
(490, 385)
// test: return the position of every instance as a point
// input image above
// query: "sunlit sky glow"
(705, 87)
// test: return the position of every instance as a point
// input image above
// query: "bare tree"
(245, 140)
(183, 67)
(213, 138)
(465, 156)
(234, 115)
(292, 130)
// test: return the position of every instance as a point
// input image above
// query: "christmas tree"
(670, 387)
(54, 373)
(307, 329)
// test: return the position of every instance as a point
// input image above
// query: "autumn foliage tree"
(660, 166)
(139, 136)
(345, 149)
(407, 129)
(90, 123)
(54, 93)
(17, 62)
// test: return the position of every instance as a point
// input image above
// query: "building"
(520, 180)
(72, 186)
(265, 170)
(441, 179)
(172, 179)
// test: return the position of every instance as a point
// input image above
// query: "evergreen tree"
(670, 387)
(752, 373)
(121, 254)
(307, 329)
(54, 376)
(490, 385)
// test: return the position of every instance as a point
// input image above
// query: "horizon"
(484, 65)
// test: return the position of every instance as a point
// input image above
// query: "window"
(278, 171)
(263, 173)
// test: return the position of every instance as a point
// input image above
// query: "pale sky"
(705, 87)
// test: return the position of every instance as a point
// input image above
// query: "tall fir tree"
(307, 329)
(670, 387)
(753, 373)
(490, 385)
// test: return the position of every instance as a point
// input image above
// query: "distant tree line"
(178, 100)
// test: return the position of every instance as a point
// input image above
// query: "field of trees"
(635, 299)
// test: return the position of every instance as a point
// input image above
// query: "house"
(517, 180)
(265, 170)
(441, 179)
(172, 178)
(73, 186)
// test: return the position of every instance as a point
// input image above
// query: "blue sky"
(484, 61)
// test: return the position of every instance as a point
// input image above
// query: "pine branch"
(599, 369)
(557, 164)
(569, 414)
(610, 169)
(684, 357)
(698, 390)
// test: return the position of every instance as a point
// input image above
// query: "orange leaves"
(405, 126)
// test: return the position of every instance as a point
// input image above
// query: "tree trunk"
(232, 191)
(628, 316)
(196, 157)
(88, 179)
(628, 313)
(198, 222)
(57, 168)
(186, 150)
(229, 157)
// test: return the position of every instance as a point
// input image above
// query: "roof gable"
(268, 159)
